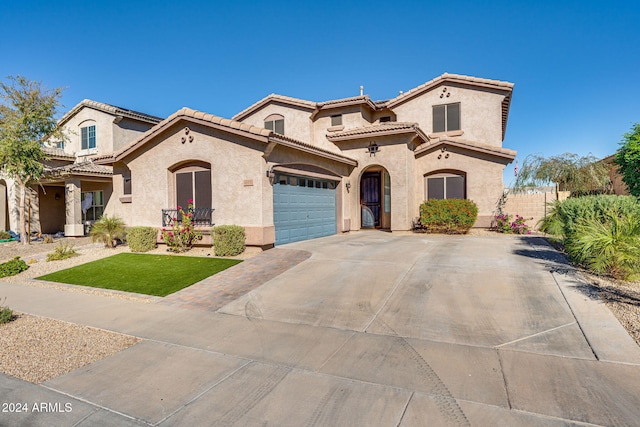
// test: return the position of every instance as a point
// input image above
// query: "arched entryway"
(375, 198)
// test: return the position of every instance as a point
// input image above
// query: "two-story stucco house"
(288, 169)
(74, 191)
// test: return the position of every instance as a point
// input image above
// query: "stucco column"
(73, 226)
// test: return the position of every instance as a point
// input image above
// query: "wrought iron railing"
(201, 217)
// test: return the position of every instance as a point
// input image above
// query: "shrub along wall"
(228, 240)
(142, 239)
(449, 216)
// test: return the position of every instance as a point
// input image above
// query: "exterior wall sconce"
(271, 175)
(372, 149)
(348, 185)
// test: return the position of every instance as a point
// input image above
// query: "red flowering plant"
(182, 235)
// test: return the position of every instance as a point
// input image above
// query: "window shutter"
(203, 189)
(439, 118)
(435, 188)
(455, 187)
(453, 117)
(85, 138)
(279, 127)
(184, 188)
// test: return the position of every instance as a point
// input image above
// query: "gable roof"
(110, 109)
(382, 129)
(216, 122)
(287, 100)
(506, 87)
(316, 107)
(503, 153)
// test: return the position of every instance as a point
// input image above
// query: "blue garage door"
(303, 208)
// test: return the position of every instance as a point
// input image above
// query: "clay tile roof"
(285, 140)
(84, 168)
(111, 109)
(57, 153)
(296, 102)
(388, 128)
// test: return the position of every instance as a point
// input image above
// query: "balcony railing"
(201, 217)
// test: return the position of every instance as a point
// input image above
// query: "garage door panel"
(302, 213)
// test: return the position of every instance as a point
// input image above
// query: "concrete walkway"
(372, 329)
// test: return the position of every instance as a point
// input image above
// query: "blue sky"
(575, 64)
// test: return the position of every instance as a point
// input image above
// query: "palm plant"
(107, 229)
(611, 246)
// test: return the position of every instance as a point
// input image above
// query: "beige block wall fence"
(531, 205)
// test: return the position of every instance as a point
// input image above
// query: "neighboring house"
(74, 191)
(288, 169)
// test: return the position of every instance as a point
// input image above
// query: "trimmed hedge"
(449, 216)
(228, 240)
(13, 267)
(142, 239)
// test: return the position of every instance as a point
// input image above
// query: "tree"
(27, 116)
(628, 159)
(582, 175)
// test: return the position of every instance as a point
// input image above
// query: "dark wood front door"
(370, 196)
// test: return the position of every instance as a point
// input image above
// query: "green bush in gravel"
(228, 240)
(6, 314)
(63, 251)
(13, 267)
(449, 216)
(142, 239)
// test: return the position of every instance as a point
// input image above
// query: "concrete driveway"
(372, 329)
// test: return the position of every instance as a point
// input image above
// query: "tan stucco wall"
(352, 117)
(297, 123)
(88, 117)
(395, 156)
(126, 130)
(240, 190)
(483, 178)
(480, 111)
(52, 217)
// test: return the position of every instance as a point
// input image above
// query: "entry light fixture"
(372, 149)
(347, 185)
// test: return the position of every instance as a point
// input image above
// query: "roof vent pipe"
(401, 92)
(361, 90)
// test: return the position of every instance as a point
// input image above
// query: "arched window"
(445, 185)
(193, 182)
(87, 135)
(275, 122)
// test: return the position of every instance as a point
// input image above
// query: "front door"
(370, 199)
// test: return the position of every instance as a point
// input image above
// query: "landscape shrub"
(610, 246)
(63, 251)
(107, 230)
(5, 235)
(141, 239)
(504, 224)
(572, 211)
(6, 314)
(228, 240)
(13, 267)
(182, 235)
(449, 216)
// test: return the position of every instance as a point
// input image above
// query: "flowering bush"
(182, 235)
(504, 224)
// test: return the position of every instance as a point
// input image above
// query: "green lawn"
(158, 275)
